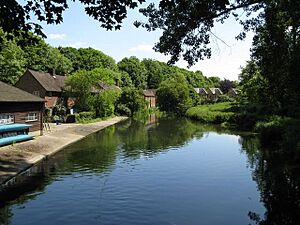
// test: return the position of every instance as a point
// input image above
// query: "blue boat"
(12, 133)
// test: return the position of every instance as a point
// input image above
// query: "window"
(7, 119)
(37, 93)
(32, 116)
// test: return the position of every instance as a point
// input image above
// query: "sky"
(79, 30)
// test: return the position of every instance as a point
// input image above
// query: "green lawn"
(211, 113)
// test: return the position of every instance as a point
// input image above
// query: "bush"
(132, 99)
(272, 130)
(104, 103)
(173, 95)
(85, 116)
(122, 109)
(215, 113)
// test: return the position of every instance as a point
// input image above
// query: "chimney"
(52, 72)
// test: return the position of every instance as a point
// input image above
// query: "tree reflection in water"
(277, 174)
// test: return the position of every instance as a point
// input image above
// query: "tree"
(12, 60)
(154, 73)
(91, 58)
(253, 85)
(132, 99)
(16, 16)
(225, 85)
(135, 70)
(81, 83)
(173, 95)
(41, 56)
(104, 103)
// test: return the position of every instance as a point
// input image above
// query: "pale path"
(21, 156)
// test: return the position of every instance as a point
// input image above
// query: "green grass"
(211, 113)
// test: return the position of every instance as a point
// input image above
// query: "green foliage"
(135, 69)
(173, 95)
(131, 99)
(104, 103)
(276, 130)
(88, 58)
(16, 16)
(12, 60)
(213, 113)
(85, 116)
(42, 57)
(81, 83)
(122, 109)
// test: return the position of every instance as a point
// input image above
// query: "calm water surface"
(166, 172)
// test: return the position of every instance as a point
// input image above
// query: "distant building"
(233, 92)
(201, 91)
(45, 85)
(20, 107)
(213, 93)
(150, 97)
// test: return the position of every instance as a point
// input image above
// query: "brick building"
(17, 106)
(45, 85)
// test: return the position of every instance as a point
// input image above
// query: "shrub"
(85, 116)
(122, 109)
(132, 99)
(214, 113)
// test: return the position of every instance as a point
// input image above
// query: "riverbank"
(18, 157)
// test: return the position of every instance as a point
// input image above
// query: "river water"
(171, 171)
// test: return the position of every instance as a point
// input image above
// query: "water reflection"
(276, 174)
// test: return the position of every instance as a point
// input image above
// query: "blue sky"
(79, 30)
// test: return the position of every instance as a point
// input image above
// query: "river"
(167, 171)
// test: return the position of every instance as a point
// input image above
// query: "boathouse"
(20, 107)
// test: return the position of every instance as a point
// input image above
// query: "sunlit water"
(168, 172)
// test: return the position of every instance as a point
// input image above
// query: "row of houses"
(213, 93)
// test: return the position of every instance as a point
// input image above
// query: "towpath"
(18, 157)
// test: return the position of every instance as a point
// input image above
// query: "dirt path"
(19, 157)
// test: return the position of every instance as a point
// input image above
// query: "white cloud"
(57, 36)
(142, 48)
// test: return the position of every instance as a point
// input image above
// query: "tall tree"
(135, 69)
(12, 60)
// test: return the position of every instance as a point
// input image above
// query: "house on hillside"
(20, 107)
(233, 92)
(201, 91)
(150, 97)
(45, 85)
(213, 93)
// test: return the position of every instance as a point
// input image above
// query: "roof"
(202, 90)
(149, 93)
(101, 86)
(9, 93)
(234, 90)
(215, 91)
(49, 82)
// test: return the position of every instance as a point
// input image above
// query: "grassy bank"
(273, 130)
(212, 113)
